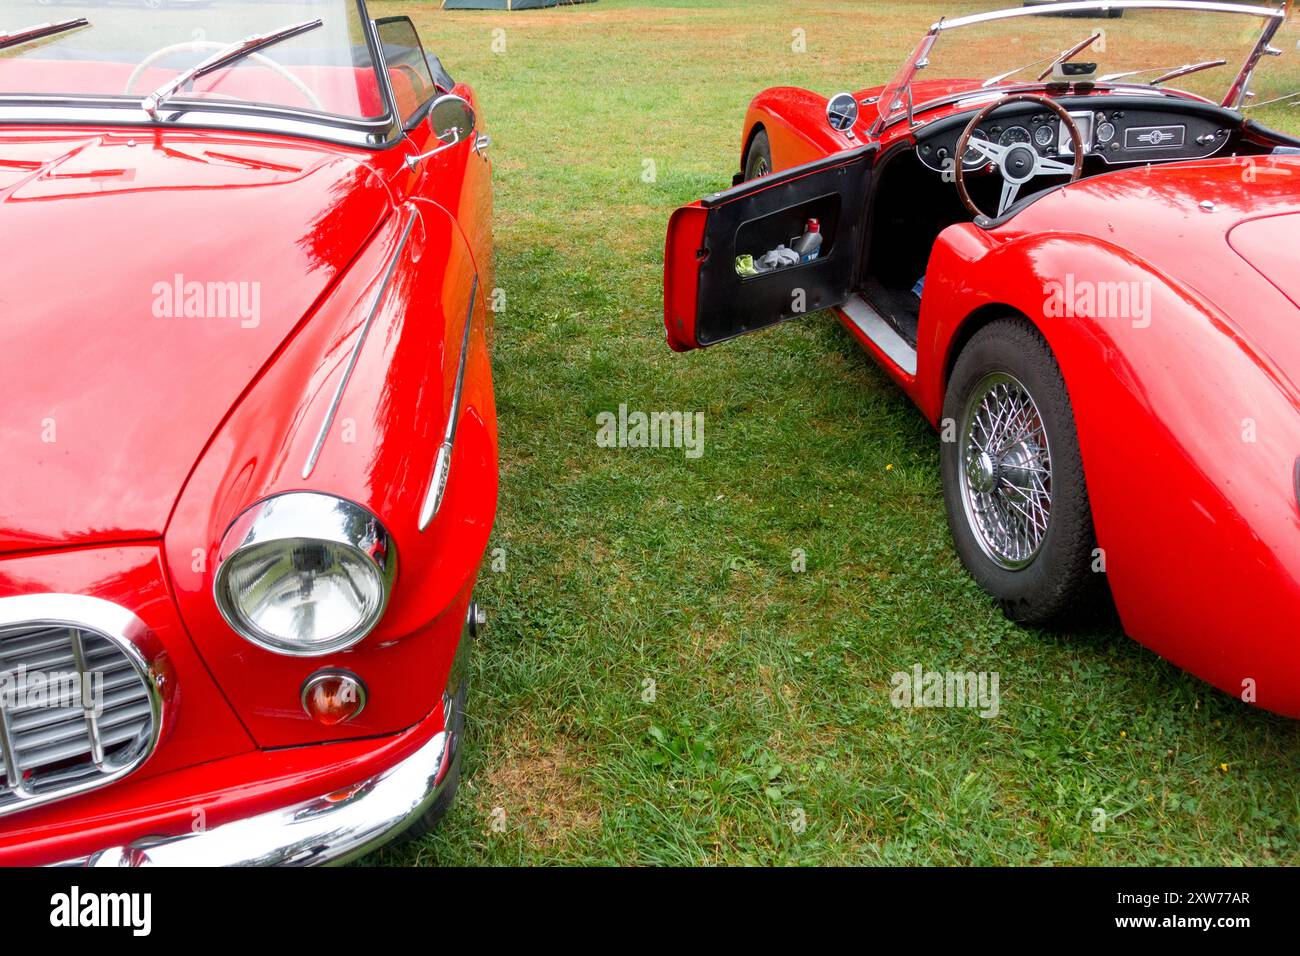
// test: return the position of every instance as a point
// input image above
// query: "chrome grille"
(78, 709)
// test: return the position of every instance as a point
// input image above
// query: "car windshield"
(124, 53)
(1197, 48)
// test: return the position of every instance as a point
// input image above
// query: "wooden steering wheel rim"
(963, 143)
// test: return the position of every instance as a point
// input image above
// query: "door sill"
(881, 334)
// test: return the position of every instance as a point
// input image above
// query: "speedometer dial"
(974, 157)
(1013, 135)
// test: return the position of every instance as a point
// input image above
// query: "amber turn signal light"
(333, 697)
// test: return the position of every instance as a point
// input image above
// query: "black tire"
(428, 821)
(758, 160)
(1057, 578)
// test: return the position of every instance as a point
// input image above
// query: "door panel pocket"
(783, 228)
(756, 217)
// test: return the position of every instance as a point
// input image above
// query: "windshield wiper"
(1185, 70)
(40, 31)
(1062, 57)
(1167, 73)
(231, 54)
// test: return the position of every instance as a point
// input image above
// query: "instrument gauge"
(1044, 135)
(1105, 133)
(973, 157)
(1013, 135)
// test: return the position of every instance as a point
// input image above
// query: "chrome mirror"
(842, 111)
(452, 120)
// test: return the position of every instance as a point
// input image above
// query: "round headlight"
(305, 574)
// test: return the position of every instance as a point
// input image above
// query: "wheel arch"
(795, 122)
(968, 327)
(1199, 527)
(754, 130)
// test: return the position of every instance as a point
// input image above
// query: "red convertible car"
(1066, 236)
(248, 421)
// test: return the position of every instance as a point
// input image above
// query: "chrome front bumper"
(333, 828)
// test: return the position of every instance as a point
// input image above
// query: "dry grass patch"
(539, 786)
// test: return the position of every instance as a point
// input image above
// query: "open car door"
(716, 283)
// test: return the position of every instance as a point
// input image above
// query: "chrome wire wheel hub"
(1005, 471)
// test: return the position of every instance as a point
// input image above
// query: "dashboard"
(1114, 129)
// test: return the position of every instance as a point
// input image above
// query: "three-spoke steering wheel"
(1017, 162)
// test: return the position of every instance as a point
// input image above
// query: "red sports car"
(249, 431)
(1086, 279)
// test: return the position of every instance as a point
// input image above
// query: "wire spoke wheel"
(1005, 471)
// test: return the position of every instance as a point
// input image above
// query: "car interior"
(756, 267)
(914, 197)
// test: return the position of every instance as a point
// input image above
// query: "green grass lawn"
(769, 736)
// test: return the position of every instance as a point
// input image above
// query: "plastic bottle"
(808, 246)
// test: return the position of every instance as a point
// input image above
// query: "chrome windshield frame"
(184, 113)
(1272, 17)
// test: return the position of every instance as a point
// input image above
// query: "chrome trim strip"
(87, 708)
(442, 463)
(871, 324)
(356, 350)
(377, 58)
(306, 516)
(118, 626)
(1236, 96)
(37, 111)
(13, 780)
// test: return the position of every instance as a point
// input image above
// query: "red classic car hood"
(1226, 230)
(146, 280)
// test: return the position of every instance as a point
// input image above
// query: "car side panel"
(378, 451)
(1202, 544)
(459, 179)
(795, 121)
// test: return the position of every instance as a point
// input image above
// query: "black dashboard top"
(1116, 129)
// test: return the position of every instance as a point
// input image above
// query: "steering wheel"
(1019, 162)
(211, 46)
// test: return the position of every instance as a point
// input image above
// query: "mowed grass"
(767, 735)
